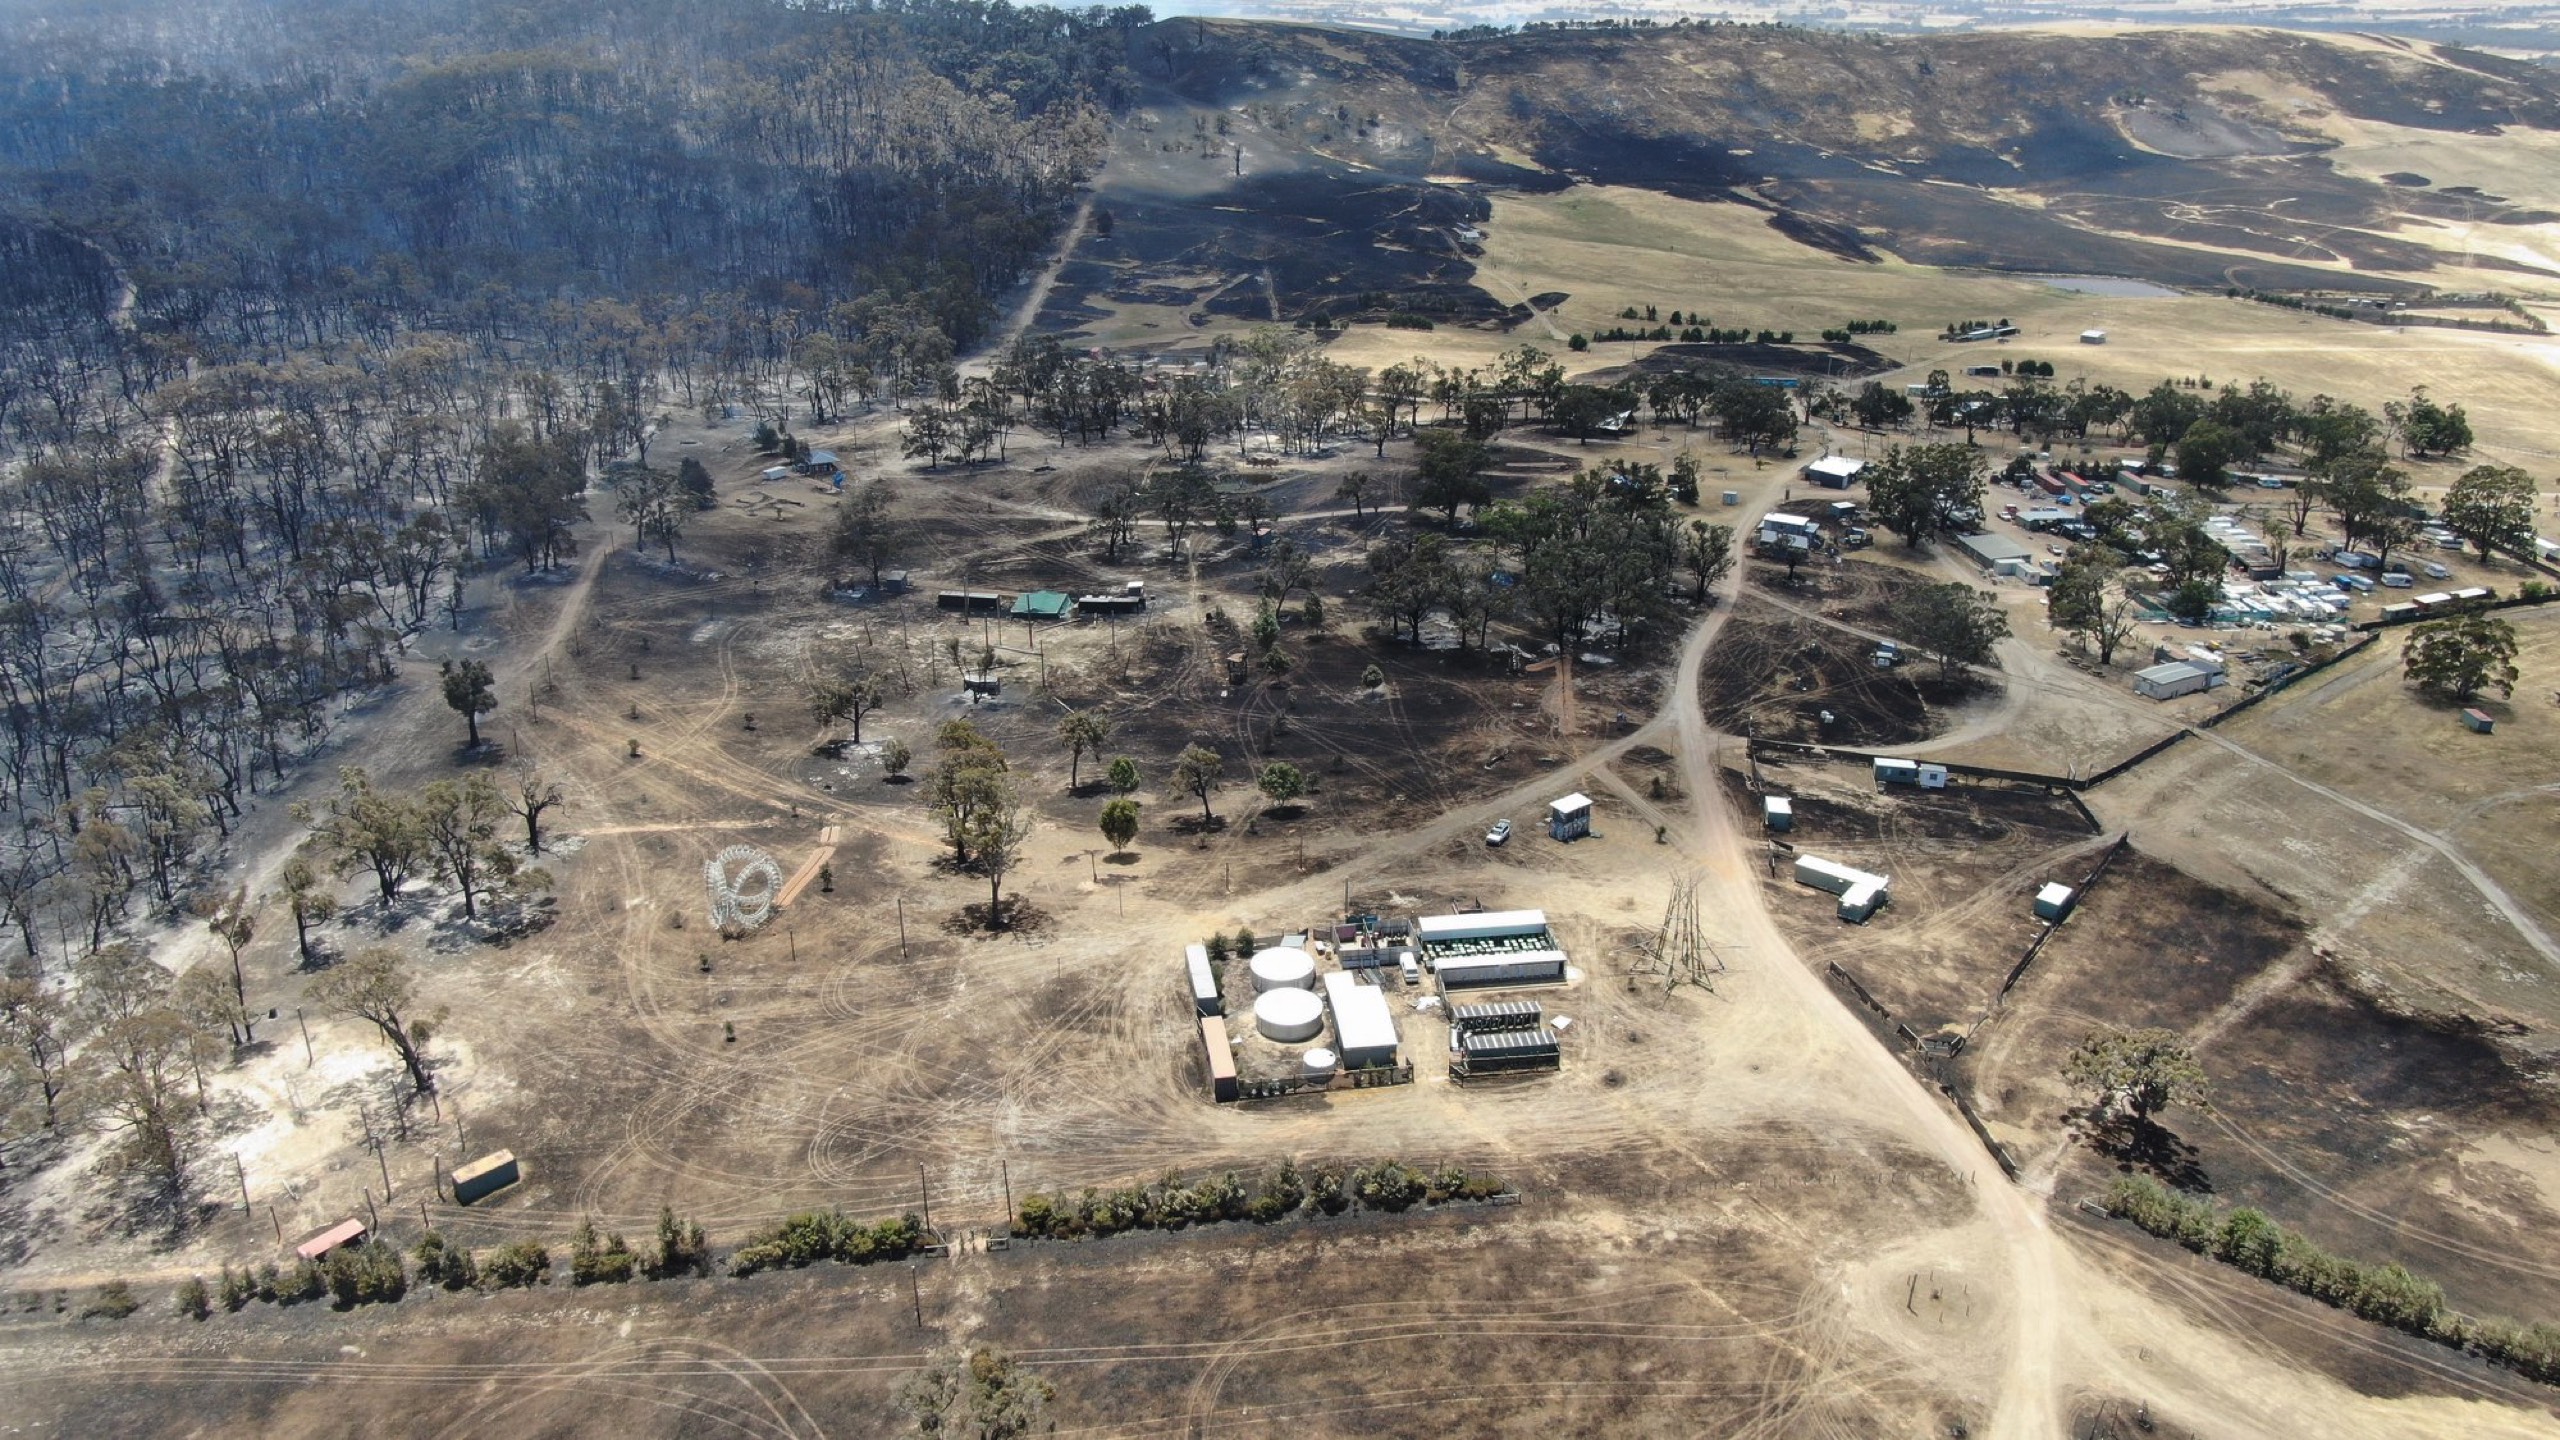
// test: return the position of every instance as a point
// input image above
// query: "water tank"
(1283, 968)
(1289, 1016)
(1319, 1061)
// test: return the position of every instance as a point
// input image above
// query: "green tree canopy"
(2461, 656)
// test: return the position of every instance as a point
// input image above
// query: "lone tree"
(1921, 491)
(996, 833)
(1120, 823)
(864, 535)
(1123, 775)
(2084, 606)
(1083, 733)
(373, 986)
(2459, 657)
(140, 1054)
(2136, 1072)
(471, 690)
(1199, 770)
(1281, 783)
(310, 901)
(993, 1399)
(969, 779)
(2491, 506)
(233, 922)
(1955, 623)
(1449, 472)
(532, 796)
(849, 696)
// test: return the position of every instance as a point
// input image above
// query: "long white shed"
(1519, 967)
(1488, 925)
(1364, 1032)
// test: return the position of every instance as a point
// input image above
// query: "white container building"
(1777, 812)
(1364, 1032)
(1204, 981)
(1893, 771)
(2054, 901)
(1860, 893)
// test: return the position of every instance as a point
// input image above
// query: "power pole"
(306, 1036)
(926, 1193)
(1005, 1168)
(902, 927)
(243, 1172)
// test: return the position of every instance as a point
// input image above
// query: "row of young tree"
(2206, 431)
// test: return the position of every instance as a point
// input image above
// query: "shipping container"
(1222, 1057)
(487, 1175)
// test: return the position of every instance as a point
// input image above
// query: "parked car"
(1500, 832)
(2269, 482)
(2437, 572)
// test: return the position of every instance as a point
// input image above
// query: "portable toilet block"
(1569, 818)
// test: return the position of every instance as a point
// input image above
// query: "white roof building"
(1364, 1030)
(1490, 925)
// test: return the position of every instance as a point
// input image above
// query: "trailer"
(1221, 1057)
(1891, 770)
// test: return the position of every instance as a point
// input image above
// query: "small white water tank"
(1319, 1061)
(1283, 967)
(1289, 1016)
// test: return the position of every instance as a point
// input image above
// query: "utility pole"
(926, 1193)
(306, 1036)
(243, 1172)
(915, 1294)
(902, 927)
(1005, 1168)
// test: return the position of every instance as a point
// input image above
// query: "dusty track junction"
(1747, 1210)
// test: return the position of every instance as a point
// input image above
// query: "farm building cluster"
(1321, 1004)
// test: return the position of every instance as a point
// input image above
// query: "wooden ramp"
(808, 870)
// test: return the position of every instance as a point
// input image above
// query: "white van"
(2399, 580)
(2437, 572)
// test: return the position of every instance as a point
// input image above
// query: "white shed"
(2054, 901)
(1777, 812)
(1364, 1031)
(2168, 682)
(2093, 337)
(1484, 925)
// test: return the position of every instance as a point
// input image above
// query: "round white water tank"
(1289, 1016)
(1283, 967)
(1319, 1061)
